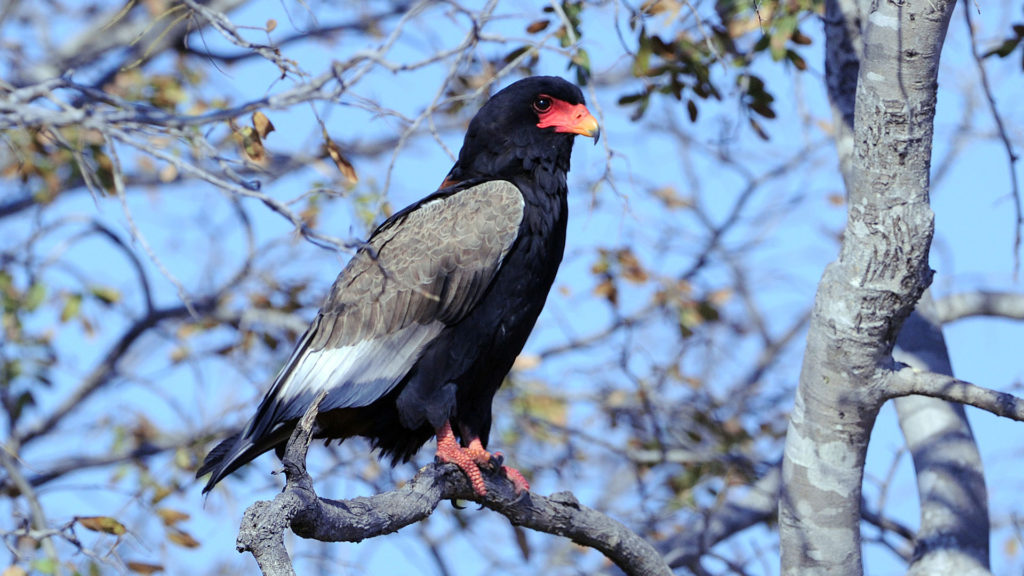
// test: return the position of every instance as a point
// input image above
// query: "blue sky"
(791, 219)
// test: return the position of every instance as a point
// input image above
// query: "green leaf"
(45, 566)
(758, 129)
(106, 294)
(25, 399)
(35, 296)
(784, 28)
(798, 62)
(72, 308)
(642, 61)
(1004, 49)
(515, 54)
(581, 61)
(631, 98)
(763, 109)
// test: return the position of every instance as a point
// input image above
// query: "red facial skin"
(565, 117)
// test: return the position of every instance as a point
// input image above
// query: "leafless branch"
(981, 303)
(755, 504)
(1004, 136)
(906, 380)
(309, 516)
(107, 368)
(10, 488)
(8, 460)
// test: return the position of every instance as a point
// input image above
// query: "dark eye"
(542, 104)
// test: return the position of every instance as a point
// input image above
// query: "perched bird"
(423, 324)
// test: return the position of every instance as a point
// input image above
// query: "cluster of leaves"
(26, 357)
(681, 61)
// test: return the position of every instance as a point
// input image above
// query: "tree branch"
(982, 303)
(106, 370)
(866, 294)
(757, 504)
(1004, 135)
(905, 381)
(953, 534)
(354, 520)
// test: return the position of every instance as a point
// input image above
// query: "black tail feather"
(235, 452)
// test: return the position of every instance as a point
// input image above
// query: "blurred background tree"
(183, 180)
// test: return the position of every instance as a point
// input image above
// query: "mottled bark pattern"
(864, 297)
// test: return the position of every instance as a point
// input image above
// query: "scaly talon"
(473, 458)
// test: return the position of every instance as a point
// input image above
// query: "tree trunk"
(953, 536)
(865, 295)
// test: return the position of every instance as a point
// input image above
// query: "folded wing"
(424, 269)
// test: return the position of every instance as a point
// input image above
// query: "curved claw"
(475, 457)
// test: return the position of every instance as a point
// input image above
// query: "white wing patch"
(354, 375)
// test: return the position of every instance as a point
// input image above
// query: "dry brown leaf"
(104, 524)
(249, 139)
(171, 517)
(262, 124)
(720, 296)
(182, 538)
(606, 289)
(652, 7)
(168, 173)
(144, 567)
(537, 26)
(671, 197)
(271, 25)
(632, 270)
(334, 151)
(526, 362)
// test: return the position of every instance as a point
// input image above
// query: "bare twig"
(1005, 137)
(756, 504)
(36, 514)
(106, 369)
(905, 381)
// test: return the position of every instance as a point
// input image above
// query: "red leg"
(472, 458)
(448, 450)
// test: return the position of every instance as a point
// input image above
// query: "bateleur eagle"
(423, 324)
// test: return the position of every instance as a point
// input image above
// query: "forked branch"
(309, 516)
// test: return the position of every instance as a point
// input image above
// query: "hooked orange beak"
(571, 119)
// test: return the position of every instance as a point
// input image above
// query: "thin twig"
(1005, 137)
(36, 514)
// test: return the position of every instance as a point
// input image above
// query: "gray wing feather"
(414, 277)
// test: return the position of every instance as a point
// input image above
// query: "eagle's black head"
(527, 127)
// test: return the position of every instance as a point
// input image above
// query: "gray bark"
(954, 532)
(865, 295)
(972, 304)
(309, 516)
